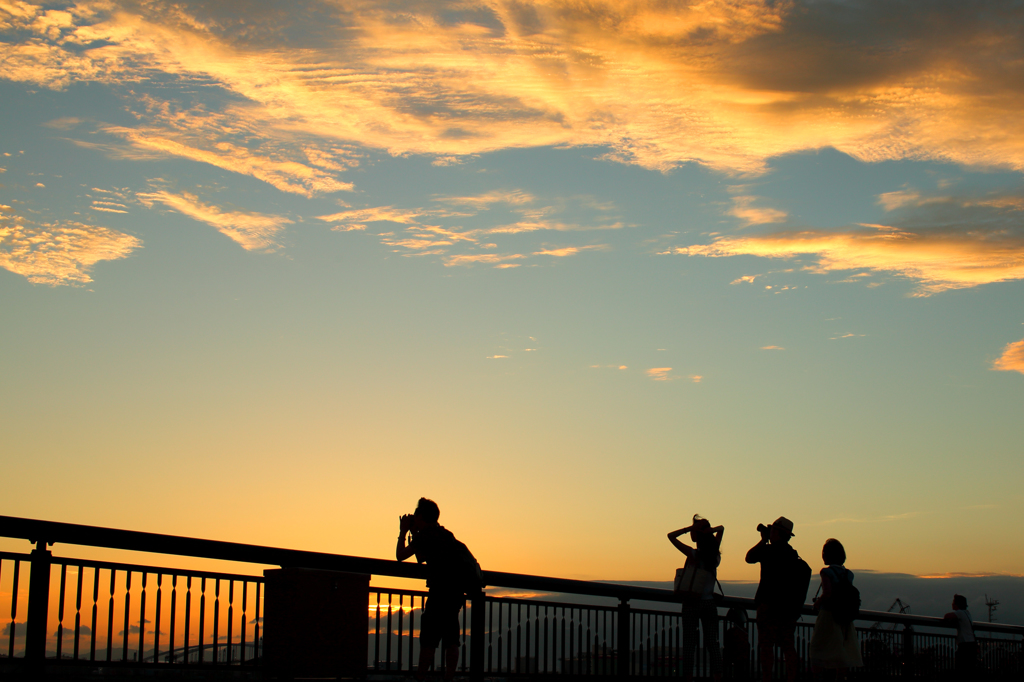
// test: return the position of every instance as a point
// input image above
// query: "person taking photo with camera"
(780, 595)
(452, 571)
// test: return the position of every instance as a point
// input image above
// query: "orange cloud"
(938, 260)
(473, 258)
(751, 215)
(660, 373)
(62, 253)
(287, 176)
(734, 82)
(1012, 359)
(568, 250)
(252, 231)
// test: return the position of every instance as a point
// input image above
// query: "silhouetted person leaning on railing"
(835, 646)
(451, 573)
(696, 584)
(780, 595)
(966, 644)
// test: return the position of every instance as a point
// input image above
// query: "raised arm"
(754, 553)
(673, 537)
(404, 551)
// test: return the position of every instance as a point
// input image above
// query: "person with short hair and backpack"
(835, 646)
(780, 595)
(452, 572)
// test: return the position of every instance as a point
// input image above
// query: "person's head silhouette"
(782, 531)
(427, 513)
(833, 553)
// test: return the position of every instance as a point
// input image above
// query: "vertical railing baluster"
(95, 609)
(185, 645)
(231, 618)
(142, 621)
(412, 631)
(589, 650)
(174, 612)
(501, 632)
(257, 643)
(561, 651)
(60, 609)
(519, 636)
(508, 642)
(14, 609)
(202, 621)
(110, 618)
(546, 635)
(243, 625)
(388, 641)
(127, 614)
(401, 603)
(376, 639)
(490, 635)
(156, 618)
(78, 609)
(216, 621)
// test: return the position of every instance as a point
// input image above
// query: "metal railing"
(82, 612)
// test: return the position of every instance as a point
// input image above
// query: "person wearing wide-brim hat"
(777, 611)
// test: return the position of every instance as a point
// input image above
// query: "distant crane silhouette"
(991, 604)
(904, 608)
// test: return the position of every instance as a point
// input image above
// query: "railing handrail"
(52, 532)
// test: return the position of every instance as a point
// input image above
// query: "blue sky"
(575, 271)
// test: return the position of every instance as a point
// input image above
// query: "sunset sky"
(577, 270)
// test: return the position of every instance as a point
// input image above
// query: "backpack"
(799, 582)
(844, 600)
(455, 566)
(469, 575)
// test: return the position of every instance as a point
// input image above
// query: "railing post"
(38, 604)
(624, 656)
(908, 651)
(477, 640)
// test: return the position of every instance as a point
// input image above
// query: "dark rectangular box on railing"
(314, 623)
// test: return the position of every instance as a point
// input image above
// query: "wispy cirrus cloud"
(665, 374)
(433, 231)
(252, 231)
(566, 251)
(59, 253)
(498, 260)
(285, 175)
(1012, 358)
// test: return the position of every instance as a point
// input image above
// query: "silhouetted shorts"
(441, 619)
(774, 629)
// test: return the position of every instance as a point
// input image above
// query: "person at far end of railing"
(452, 572)
(835, 646)
(736, 645)
(780, 595)
(966, 644)
(696, 584)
